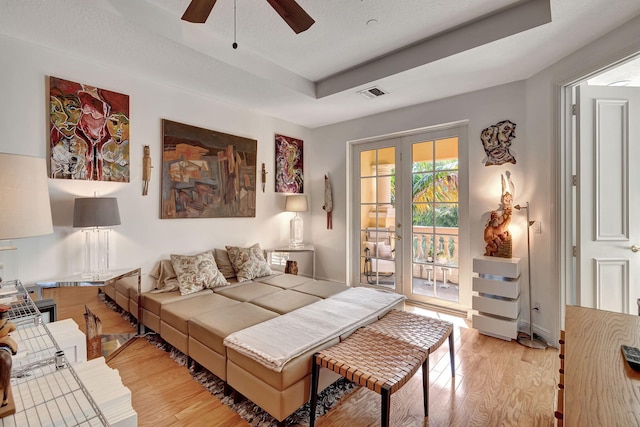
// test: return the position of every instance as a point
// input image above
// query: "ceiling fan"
(198, 11)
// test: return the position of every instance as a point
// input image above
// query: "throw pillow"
(224, 263)
(384, 251)
(248, 263)
(197, 272)
(165, 275)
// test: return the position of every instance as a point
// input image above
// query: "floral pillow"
(197, 272)
(248, 263)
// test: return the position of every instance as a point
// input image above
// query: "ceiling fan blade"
(198, 11)
(293, 14)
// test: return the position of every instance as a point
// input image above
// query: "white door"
(376, 167)
(608, 198)
(410, 216)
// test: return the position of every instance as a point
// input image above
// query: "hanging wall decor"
(89, 132)
(289, 165)
(328, 202)
(496, 141)
(207, 174)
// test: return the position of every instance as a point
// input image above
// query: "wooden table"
(600, 387)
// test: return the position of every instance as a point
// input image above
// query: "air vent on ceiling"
(372, 92)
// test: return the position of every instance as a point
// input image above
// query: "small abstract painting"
(496, 141)
(89, 132)
(207, 174)
(289, 162)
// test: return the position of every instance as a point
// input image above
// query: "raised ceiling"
(416, 50)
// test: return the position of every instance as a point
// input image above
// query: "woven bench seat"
(384, 355)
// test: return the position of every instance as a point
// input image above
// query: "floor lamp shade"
(96, 214)
(296, 203)
(25, 210)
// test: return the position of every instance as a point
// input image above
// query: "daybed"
(224, 328)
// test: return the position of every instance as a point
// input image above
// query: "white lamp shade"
(296, 203)
(96, 212)
(25, 209)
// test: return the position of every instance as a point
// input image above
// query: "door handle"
(635, 248)
(400, 238)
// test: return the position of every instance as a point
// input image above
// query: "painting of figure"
(207, 174)
(89, 132)
(289, 163)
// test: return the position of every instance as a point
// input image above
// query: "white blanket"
(274, 342)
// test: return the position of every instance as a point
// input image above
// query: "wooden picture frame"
(207, 174)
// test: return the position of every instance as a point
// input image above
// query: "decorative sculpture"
(291, 267)
(496, 232)
(496, 141)
(146, 169)
(328, 202)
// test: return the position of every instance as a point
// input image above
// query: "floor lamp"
(530, 342)
(24, 200)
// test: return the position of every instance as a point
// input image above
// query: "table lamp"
(296, 203)
(25, 210)
(96, 214)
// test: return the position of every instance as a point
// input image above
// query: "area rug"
(249, 411)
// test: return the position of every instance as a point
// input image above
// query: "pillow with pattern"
(248, 263)
(224, 263)
(197, 272)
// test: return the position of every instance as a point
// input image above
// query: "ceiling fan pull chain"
(234, 45)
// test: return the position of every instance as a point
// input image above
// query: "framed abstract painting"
(89, 132)
(207, 174)
(289, 165)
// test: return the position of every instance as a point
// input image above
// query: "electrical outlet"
(537, 226)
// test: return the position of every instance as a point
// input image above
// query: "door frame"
(353, 242)
(564, 124)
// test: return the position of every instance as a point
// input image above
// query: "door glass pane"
(435, 219)
(377, 217)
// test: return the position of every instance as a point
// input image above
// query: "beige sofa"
(197, 324)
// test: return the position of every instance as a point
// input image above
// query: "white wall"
(482, 109)
(143, 238)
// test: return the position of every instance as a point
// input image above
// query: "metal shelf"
(44, 394)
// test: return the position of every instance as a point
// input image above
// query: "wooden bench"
(384, 355)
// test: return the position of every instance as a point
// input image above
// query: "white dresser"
(496, 299)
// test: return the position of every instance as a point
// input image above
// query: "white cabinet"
(496, 298)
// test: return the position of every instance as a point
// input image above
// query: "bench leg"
(386, 406)
(452, 355)
(315, 372)
(425, 385)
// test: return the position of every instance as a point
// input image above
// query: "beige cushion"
(224, 263)
(248, 291)
(285, 281)
(285, 301)
(321, 288)
(248, 263)
(178, 313)
(153, 302)
(212, 327)
(197, 272)
(165, 275)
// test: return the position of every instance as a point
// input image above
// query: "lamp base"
(532, 343)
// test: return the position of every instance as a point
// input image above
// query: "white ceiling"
(419, 50)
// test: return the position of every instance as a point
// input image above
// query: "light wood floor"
(497, 383)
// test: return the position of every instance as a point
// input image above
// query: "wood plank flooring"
(497, 383)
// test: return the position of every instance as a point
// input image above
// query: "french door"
(409, 200)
